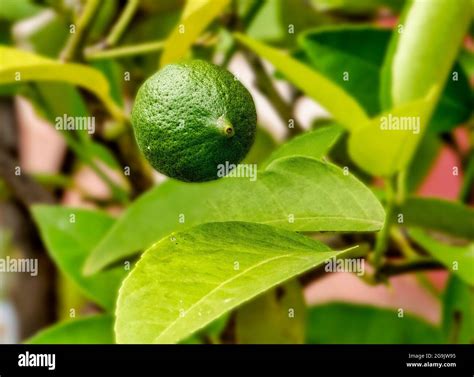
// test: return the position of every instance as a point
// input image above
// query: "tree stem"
(381, 242)
(144, 48)
(72, 50)
(122, 23)
(265, 84)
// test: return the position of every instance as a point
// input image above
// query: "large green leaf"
(197, 15)
(344, 108)
(458, 312)
(97, 329)
(314, 144)
(21, 66)
(275, 317)
(190, 278)
(457, 259)
(343, 323)
(297, 193)
(436, 214)
(13, 10)
(70, 234)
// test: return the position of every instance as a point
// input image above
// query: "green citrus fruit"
(191, 117)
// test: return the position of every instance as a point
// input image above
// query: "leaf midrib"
(220, 286)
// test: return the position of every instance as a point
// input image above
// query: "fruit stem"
(225, 127)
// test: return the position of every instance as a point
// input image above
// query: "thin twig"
(122, 23)
(265, 85)
(421, 264)
(381, 241)
(139, 49)
(242, 26)
(74, 44)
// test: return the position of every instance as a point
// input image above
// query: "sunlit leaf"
(190, 278)
(20, 66)
(296, 193)
(314, 144)
(386, 144)
(197, 15)
(406, 74)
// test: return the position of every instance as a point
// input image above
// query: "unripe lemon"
(191, 117)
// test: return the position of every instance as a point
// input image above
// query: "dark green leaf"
(356, 50)
(97, 329)
(458, 312)
(70, 234)
(342, 323)
(440, 215)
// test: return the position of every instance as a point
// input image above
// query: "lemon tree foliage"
(344, 323)
(343, 107)
(228, 254)
(70, 234)
(17, 66)
(295, 193)
(196, 16)
(352, 56)
(221, 265)
(94, 329)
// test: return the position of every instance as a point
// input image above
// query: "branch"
(139, 49)
(23, 187)
(265, 84)
(122, 23)
(421, 264)
(74, 44)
